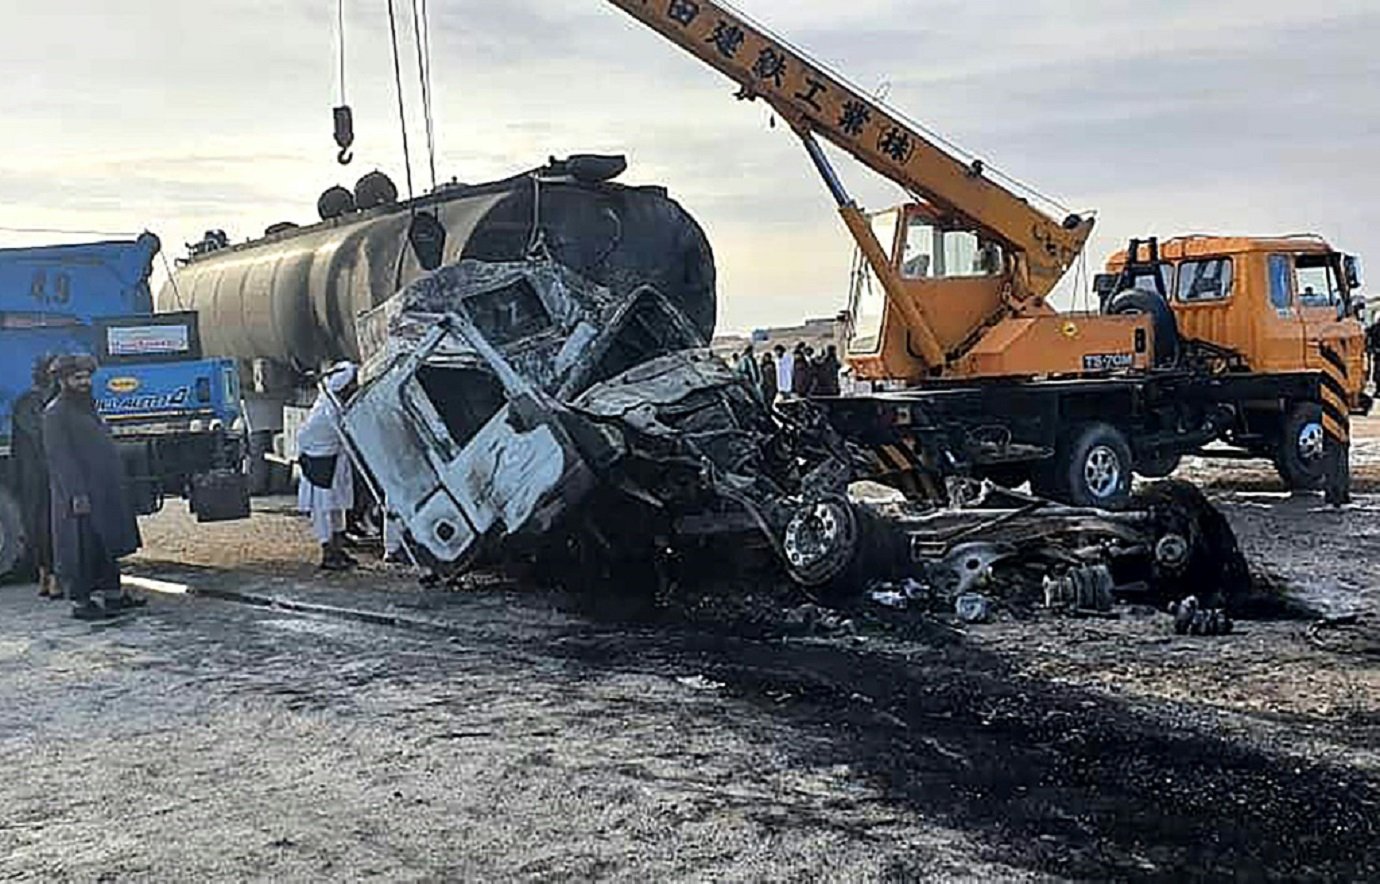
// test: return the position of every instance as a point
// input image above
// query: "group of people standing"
(799, 373)
(69, 477)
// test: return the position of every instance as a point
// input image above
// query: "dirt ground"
(529, 736)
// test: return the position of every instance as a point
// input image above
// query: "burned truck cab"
(461, 422)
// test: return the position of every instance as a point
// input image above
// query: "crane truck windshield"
(931, 252)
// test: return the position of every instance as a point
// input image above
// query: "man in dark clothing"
(93, 524)
(31, 473)
(769, 389)
(747, 367)
(803, 383)
(827, 373)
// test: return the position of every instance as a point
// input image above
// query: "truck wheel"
(1095, 466)
(13, 543)
(1136, 302)
(1301, 454)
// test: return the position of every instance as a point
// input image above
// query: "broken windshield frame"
(867, 301)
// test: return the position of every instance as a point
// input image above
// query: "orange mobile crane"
(1253, 342)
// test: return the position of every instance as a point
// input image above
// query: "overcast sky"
(1257, 116)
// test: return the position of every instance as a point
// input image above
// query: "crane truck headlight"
(196, 426)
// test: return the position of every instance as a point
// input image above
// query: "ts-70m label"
(1108, 361)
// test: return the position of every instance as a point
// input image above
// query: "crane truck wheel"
(1136, 302)
(1301, 453)
(13, 543)
(1094, 467)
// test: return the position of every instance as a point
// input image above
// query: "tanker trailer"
(286, 305)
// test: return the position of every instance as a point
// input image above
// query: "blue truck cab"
(176, 415)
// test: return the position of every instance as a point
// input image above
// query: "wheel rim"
(1102, 472)
(1312, 441)
(819, 541)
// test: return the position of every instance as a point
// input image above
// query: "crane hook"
(344, 133)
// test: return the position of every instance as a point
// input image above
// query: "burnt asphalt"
(499, 733)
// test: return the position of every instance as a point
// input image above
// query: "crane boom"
(813, 101)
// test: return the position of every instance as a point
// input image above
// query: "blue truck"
(176, 416)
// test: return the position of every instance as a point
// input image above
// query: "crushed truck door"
(453, 483)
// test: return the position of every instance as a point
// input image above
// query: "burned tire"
(13, 543)
(1094, 467)
(1211, 566)
(834, 549)
(1136, 302)
(1301, 452)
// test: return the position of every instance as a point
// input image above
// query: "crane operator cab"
(952, 269)
(974, 295)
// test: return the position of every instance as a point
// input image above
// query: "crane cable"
(397, 82)
(340, 44)
(421, 31)
(341, 114)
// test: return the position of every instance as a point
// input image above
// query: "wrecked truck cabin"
(286, 305)
(516, 408)
(464, 432)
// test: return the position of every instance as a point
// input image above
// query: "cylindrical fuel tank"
(293, 298)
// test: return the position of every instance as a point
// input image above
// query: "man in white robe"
(326, 489)
(785, 372)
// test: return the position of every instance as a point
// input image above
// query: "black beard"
(80, 397)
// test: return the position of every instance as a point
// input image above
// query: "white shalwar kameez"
(320, 437)
(785, 374)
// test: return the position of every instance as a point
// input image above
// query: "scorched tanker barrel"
(292, 298)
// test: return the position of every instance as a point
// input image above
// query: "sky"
(1172, 117)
